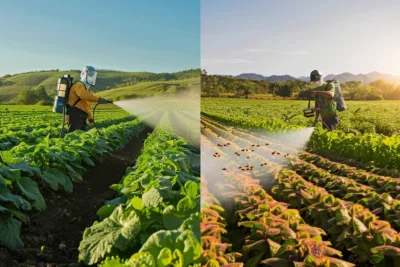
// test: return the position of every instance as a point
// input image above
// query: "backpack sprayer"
(61, 100)
(338, 98)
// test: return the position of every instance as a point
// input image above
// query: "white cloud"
(296, 53)
(217, 61)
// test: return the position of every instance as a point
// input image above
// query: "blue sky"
(156, 36)
(295, 37)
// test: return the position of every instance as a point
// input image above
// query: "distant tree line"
(36, 96)
(227, 86)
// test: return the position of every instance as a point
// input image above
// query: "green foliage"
(164, 195)
(12, 85)
(216, 85)
(33, 96)
(146, 89)
(54, 161)
(117, 231)
(364, 117)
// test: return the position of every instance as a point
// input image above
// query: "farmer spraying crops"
(79, 100)
(325, 104)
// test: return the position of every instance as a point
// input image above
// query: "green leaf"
(310, 261)
(191, 189)
(273, 247)
(117, 201)
(377, 258)
(172, 219)
(184, 163)
(387, 250)
(142, 259)
(192, 223)
(17, 201)
(117, 231)
(359, 227)
(7, 156)
(178, 258)
(9, 233)
(88, 161)
(152, 198)
(159, 240)
(189, 247)
(54, 177)
(288, 245)
(31, 190)
(137, 203)
(186, 205)
(164, 257)
(105, 211)
(112, 262)
(184, 245)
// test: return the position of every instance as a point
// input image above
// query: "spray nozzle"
(308, 112)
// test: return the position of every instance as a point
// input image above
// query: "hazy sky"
(157, 36)
(295, 37)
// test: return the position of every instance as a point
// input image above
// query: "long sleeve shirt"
(78, 90)
(326, 105)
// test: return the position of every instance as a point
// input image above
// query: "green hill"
(11, 85)
(185, 86)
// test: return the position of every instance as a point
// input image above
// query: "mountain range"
(343, 77)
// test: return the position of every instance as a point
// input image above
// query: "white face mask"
(319, 83)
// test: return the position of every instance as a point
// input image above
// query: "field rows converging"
(32, 127)
(376, 151)
(55, 163)
(139, 173)
(158, 204)
(356, 210)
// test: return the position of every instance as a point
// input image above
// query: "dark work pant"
(77, 119)
(331, 124)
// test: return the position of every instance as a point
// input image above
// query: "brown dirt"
(60, 227)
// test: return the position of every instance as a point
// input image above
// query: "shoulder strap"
(79, 99)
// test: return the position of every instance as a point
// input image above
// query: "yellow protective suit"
(78, 90)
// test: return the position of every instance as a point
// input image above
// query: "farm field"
(268, 201)
(381, 117)
(128, 195)
(379, 152)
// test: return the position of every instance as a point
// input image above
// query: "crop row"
(216, 251)
(55, 163)
(32, 133)
(381, 204)
(275, 235)
(382, 150)
(155, 220)
(322, 209)
(380, 183)
(381, 117)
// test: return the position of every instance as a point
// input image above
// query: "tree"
(26, 97)
(246, 92)
(33, 96)
(286, 90)
(274, 88)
